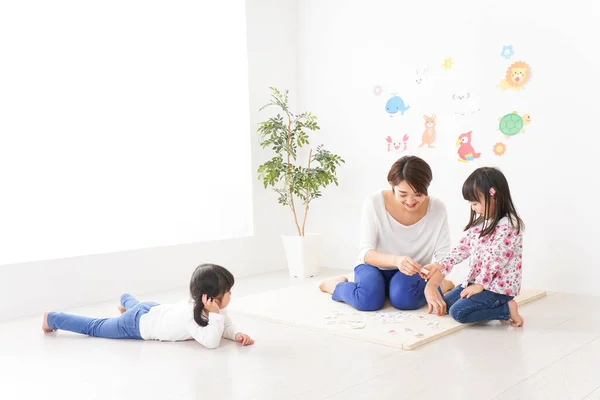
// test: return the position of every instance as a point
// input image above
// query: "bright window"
(123, 125)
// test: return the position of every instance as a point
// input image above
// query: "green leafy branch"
(284, 134)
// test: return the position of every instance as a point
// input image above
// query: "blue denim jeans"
(127, 326)
(484, 306)
(371, 285)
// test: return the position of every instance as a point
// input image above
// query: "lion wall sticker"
(517, 76)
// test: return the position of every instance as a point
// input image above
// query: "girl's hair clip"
(492, 192)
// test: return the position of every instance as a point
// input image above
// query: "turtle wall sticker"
(513, 123)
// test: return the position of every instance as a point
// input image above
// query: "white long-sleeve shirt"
(426, 241)
(175, 322)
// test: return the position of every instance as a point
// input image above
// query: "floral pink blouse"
(495, 259)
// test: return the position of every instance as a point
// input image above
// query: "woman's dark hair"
(414, 170)
(212, 280)
(491, 184)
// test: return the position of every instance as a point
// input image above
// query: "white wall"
(347, 47)
(118, 123)
(31, 288)
(330, 55)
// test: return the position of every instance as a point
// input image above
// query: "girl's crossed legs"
(124, 327)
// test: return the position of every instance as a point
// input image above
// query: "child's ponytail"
(212, 280)
(198, 313)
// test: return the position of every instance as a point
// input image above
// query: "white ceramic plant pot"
(302, 253)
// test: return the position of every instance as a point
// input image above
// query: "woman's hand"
(244, 339)
(471, 290)
(407, 265)
(434, 299)
(210, 305)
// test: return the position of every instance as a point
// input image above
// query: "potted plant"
(297, 183)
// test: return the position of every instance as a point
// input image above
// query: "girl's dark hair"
(414, 170)
(493, 186)
(212, 280)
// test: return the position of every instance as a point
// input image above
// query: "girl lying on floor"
(201, 317)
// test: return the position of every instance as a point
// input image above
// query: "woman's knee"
(406, 301)
(370, 288)
(370, 301)
(405, 293)
(367, 271)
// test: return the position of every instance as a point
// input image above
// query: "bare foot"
(447, 285)
(328, 285)
(121, 309)
(515, 318)
(45, 326)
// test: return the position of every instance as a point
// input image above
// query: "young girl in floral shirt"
(494, 244)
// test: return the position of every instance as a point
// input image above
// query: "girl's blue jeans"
(371, 286)
(484, 306)
(127, 326)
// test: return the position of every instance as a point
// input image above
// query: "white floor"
(555, 356)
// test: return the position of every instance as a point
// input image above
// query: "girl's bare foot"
(121, 309)
(515, 318)
(328, 285)
(45, 326)
(447, 285)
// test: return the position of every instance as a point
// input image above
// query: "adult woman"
(402, 230)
